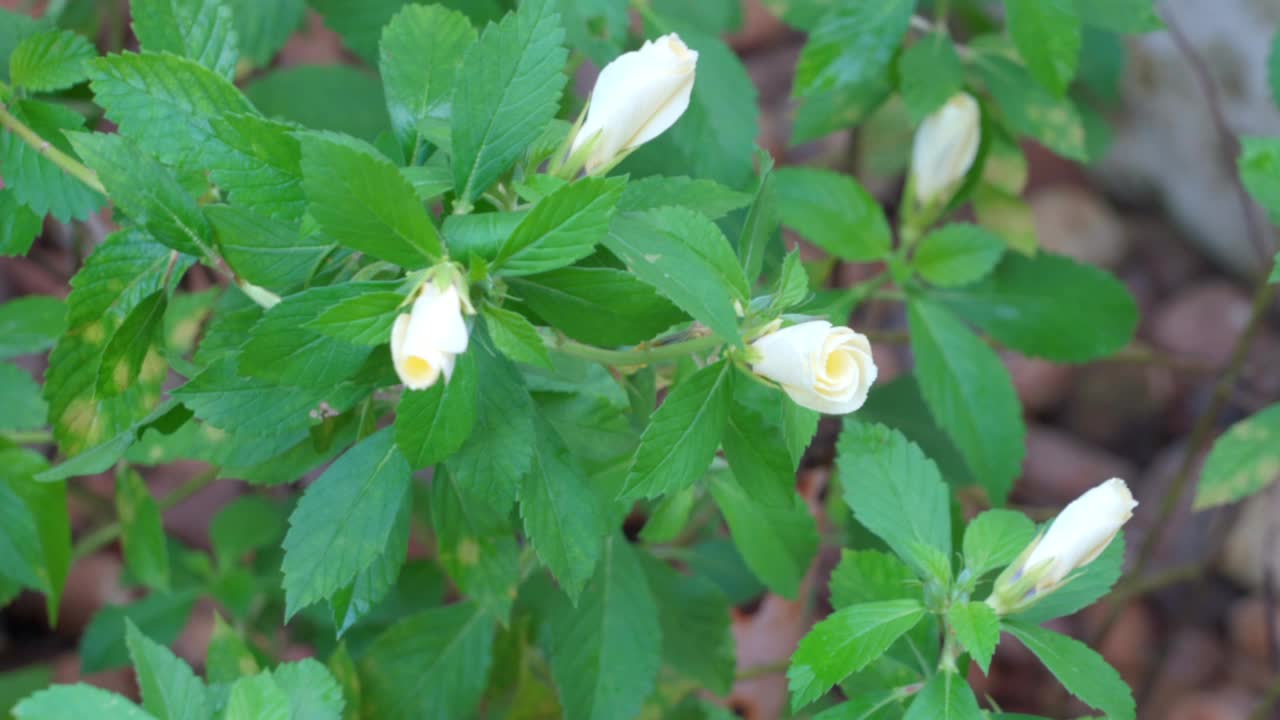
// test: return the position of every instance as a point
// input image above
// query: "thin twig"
(68, 164)
(105, 535)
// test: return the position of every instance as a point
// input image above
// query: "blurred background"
(1161, 208)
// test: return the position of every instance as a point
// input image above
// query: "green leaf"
(995, 538)
(421, 50)
(359, 22)
(777, 542)
(50, 61)
(362, 200)
(343, 521)
(707, 197)
(957, 254)
(492, 461)
(1050, 306)
(605, 652)
(969, 393)
(476, 544)
(894, 490)
(929, 73)
(760, 229)
(852, 46)
(364, 318)
(687, 258)
(516, 337)
(34, 180)
(562, 228)
(682, 436)
(312, 690)
(20, 397)
(1081, 588)
(160, 616)
(30, 325)
(19, 226)
(125, 353)
(432, 424)
(170, 690)
(69, 702)
(19, 541)
(695, 616)
(561, 517)
(1121, 16)
(147, 192)
(202, 30)
(166, 104)
(1008, 216)
(865, 576)
(337, 98)
(978, 630)
(266, 252)
(1273, 70)
(1260, 170)
(514, 76)
(758, 454)
(14, 28)
(1080, 670)
(263, 28)
(46, 505)
(429, 666)
(248, 523)
(597, 305)
(146, 553)
(1031, 109)
(844, 643)
(946, 696)
(1047, 35)
(257, 698)
(256, 163)
(1243, 462)
(833, 212)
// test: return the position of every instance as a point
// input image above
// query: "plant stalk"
(65, 162)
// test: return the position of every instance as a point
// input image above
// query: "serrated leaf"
(19, 226)
(1031, 109)
(562, 228)
(605, 652)
(833, 212)
(360, 198)
(257, 698)
(1050, 306)
(597, 305)
(50, 61)
(929, 72)
(707, 197)
(695, 616)
(170, 690)
(1080, 670)
(24, 409)
(844, 643)
(32, 177)
(476, 546)
(248, 523)
(343, 521)
(761, 227)
(865, 576)
(852, 46)
(263, 28)
(945, 697)
(757, 454)
(19, 541)
(514, 78)
(561, 517)
(978, 630)
(147, 192)
(1047, 35)
(364, 318)
(31, 324)
(777, 542)
(421, 50)
(957, 254)
(793, 283)
(682, 436)
(312, 690)
(688, 259)
(266, 252)
(125, 353)
(1082, 588)
(146, 553)
(160, 616)
(516, 337)
(68, 702)
(995, 538)
(1260, 171)
(337, 98)
(228, 657)
(1121, 16)
(894, 490)
(202, 30)
(1243, 462)
(14, 28)
(46, 505)
(969, 393)
(429, 666)
(432, 424)
(257, 163)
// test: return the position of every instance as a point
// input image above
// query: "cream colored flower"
(945, 147)
(426, 341)
(636, 98)
(823, 368)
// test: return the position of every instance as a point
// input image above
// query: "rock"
(1127, 646)
(1159, 249)
(760, 29)
(1193, 659)
(1072, 221)
(1252, 547)
(1203, 322)
(192, 643)
(314, 45)
(1225, 704)
(1120, 406)
(1059, 468)
(93, 582)
(66, 670)
(1249, 629)
(1040, 384)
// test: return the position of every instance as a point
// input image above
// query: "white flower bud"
(945, 147)
(636, 98)
(426, 341)
(1081, 532)
(823, 368)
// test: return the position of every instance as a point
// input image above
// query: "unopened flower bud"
(945, 147)
(823, 368)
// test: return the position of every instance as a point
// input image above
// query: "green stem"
(638, 356)
(68, 164)
(105, 535)
(762, 670)
(29, 437)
